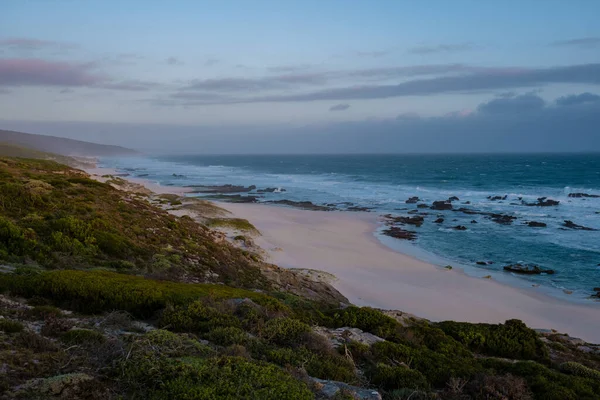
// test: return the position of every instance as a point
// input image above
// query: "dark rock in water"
(502, 219)
(453, 198)
(270, 190)
(473, 221)
(535, 224)
(460, 228)
(221, 189)
(178, 176)
(496, 198)
(422, 205)
(484, 262)
(413, 211)
(467, 202)
(416, 220)
(596, 289)
(142, 175)
(441, 205)
(121, 175)
(412, 200)
(439, 220)
(399, 233)
(527, 269)
(594, 196)
(542, 202)
(305, 205)
(233, 198)
(359, 208)
(573, 225)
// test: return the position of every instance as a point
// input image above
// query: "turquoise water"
(384, 182)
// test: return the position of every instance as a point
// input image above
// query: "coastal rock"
(527, 269)
(467, 202)
(576, 195)
(496, 198)
(305, 205)
(399, 233)
(502, 219)
(337, 337)
(439, 220)
(535, 224)
(221, 189)
(422, 205)
(416, 220)
(473, 221)
(460, 228)
(573, 225)
(453, 198)
(484, 262)
(412, 200)
(234, 198)
(441, 205)
(359, 208)
(542, 202)
(270, 190)
(333, 389)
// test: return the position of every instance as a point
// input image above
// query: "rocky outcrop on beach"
(412, 200)
(573, 225)
(234, 198)
(527, 269)
(460, 228)
(270, 190)
(304, 205)
(221, 189)
(417, 220)
(496, 198)
(439, 220)
(399, 233)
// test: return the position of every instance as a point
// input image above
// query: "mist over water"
(384, 182)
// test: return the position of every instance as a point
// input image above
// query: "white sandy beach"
(371, 274)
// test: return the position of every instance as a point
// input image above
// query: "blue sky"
(287, 64)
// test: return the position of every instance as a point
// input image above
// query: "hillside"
(62, 146)
(106, 295)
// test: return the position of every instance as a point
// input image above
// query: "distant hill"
(62, 146)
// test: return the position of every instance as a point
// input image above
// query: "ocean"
(384, 183)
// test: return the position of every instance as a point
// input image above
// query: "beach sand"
(371, 274)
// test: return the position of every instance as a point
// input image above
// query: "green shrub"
(230, 378)
(82, 336)
(45, 311)
(513, 339)
(196, 317)
(284, 331)
(226, 336)
(369, 320)
(9, 326)
(397, 377)
(574, 368)
(98, 291)
(332, 367)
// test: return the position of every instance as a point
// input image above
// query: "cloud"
(408, 116)
(173, 61)
(66, 90)
(289, 68)
(211, 61)
(20, 44)
(587, 42)
(578, 99)
(129, 85)
(441, 48)
(339, 107)
(513, 105)
(372, 54)
(253, 84)
(16, 72)
(507, 78)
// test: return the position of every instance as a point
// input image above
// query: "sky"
(304, 76)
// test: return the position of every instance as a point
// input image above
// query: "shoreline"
(369, 273)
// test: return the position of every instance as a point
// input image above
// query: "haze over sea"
(385, 182)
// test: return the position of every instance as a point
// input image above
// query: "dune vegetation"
(104, 295)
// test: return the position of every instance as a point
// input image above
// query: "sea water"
(385, 182)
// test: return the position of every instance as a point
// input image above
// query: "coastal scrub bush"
(284, 331)
(98, 291)
(397, 377)
(227, 336)
(574, 368)
(513, 339)
(367, 319)
(233, 223)
(230, 378)
(196, 317)
(9, 326)
(82, 336)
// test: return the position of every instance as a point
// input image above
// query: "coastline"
(371, 274)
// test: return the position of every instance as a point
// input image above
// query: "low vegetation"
(238, 224)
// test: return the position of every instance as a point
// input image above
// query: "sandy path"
(372, 274)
